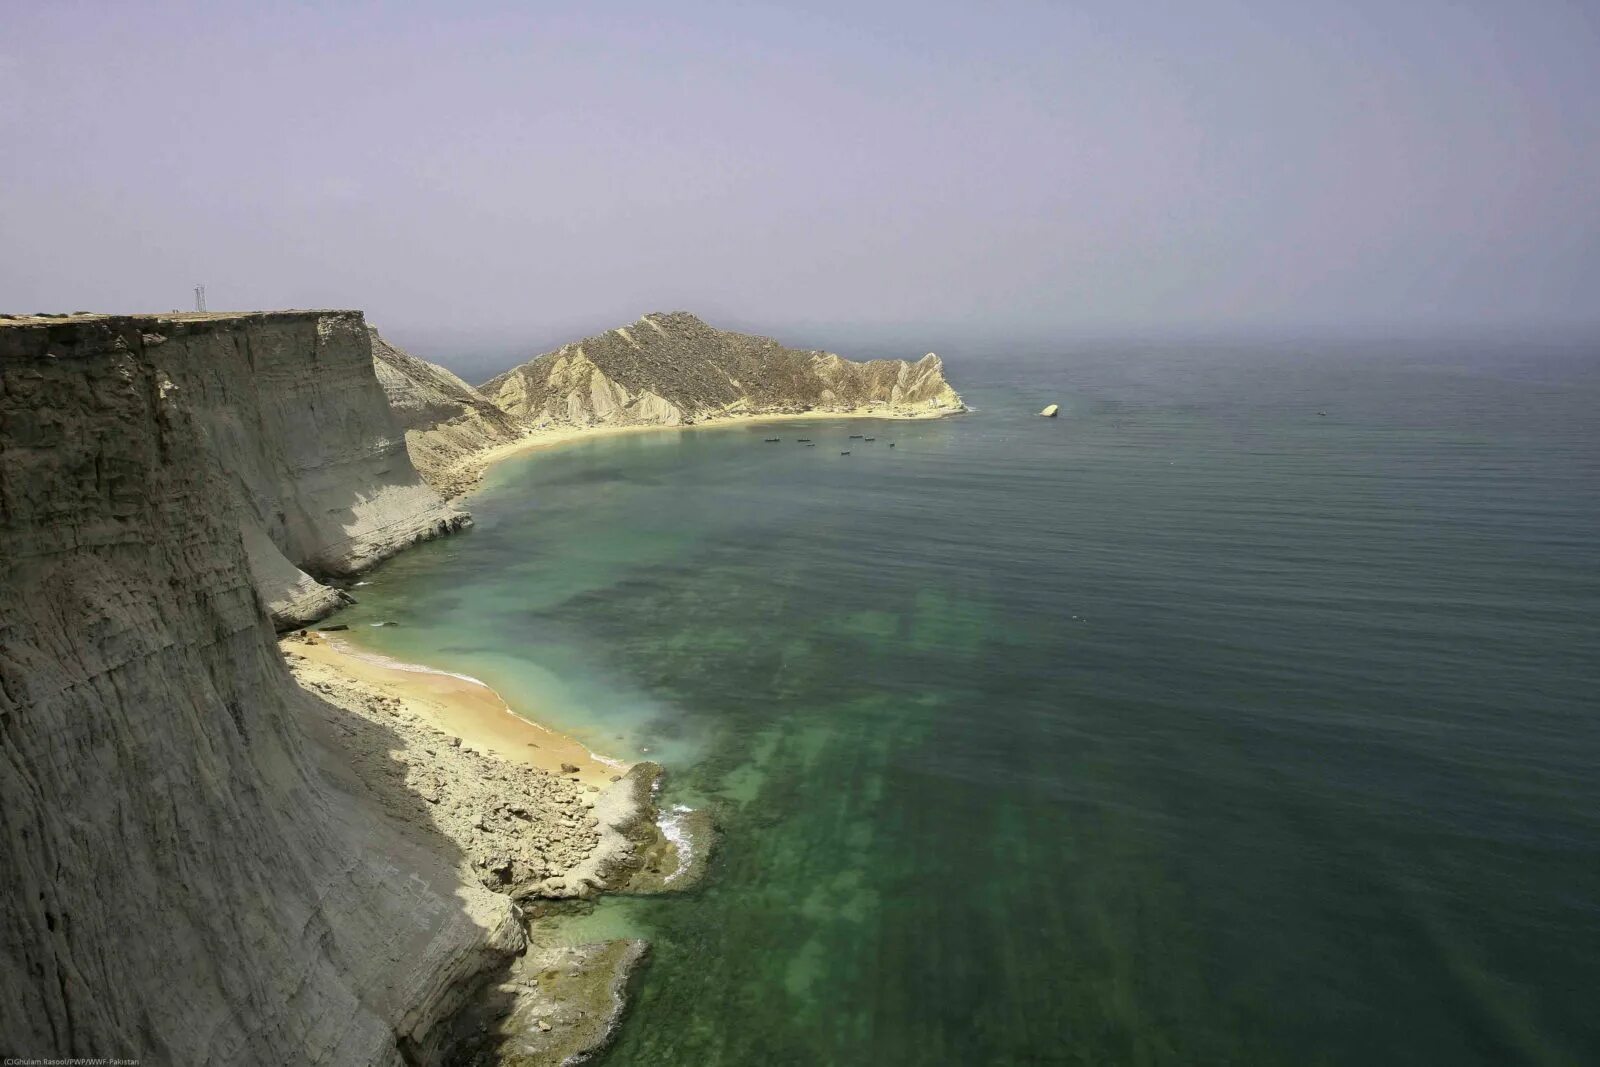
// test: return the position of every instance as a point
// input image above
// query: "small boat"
(809, 445)
(869, 438)
(772, 440)
(1322, 413)
(844, 453)
(803, 440)
(891, 444)
(855, 437)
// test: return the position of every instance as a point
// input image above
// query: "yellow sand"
(556, 436)
(461, 707)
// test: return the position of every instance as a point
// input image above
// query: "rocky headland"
(668, 369)
(672, 369)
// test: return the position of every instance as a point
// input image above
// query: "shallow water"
(1190, 726)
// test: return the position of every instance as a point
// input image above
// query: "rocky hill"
(448, 424)
(193, 872)
(672, 369)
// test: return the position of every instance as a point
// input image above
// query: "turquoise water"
(1188, 727)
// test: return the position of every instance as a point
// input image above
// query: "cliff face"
(447, 422)
(192, 875)
(672, 368)
(289, 408)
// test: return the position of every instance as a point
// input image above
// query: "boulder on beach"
(1050, 412)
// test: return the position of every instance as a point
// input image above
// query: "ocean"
(1248, 712)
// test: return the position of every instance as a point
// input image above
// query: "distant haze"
(488, 177)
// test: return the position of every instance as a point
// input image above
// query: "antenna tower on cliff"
(199, 298)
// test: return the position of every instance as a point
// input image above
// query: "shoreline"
(602, 828)
(527, 813)
(460, 706)
(468, 475)
(458, 702)
(474, 713)
(497, 783)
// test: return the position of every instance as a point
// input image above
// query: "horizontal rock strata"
(287, 409)
(194, 872)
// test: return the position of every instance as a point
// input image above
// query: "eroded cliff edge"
(448, 424)
(194, 874)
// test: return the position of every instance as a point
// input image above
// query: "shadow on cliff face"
(369, 762)
(516, 831)
(193, 872)
(197, 874)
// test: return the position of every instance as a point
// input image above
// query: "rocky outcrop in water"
(671, 369)
(193, 871)
(448, 424)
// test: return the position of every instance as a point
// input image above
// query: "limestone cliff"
(288, 406)
(448, 424)
(192, 873)
(670, 369)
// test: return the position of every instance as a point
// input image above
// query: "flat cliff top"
(82, 318)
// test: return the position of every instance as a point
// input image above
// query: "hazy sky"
(515, 173)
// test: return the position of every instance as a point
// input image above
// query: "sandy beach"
(459, 706)
(466, 477)
(444, 750)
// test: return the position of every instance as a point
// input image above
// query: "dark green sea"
(1190, 727)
